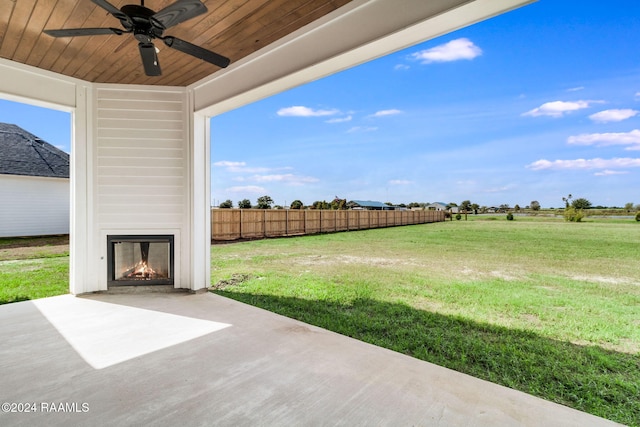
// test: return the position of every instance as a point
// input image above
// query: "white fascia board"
(31, 85)
(353, 34)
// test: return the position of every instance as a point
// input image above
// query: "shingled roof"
(22, 153)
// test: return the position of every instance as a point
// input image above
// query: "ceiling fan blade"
(178, 12)
(74, 32)
(149, 59)
(197, 51)
(114, 11)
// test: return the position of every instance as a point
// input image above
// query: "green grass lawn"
(537, 304)
(540, 305)
(33, 268)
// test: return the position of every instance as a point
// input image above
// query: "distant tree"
(402, 205)
(227, 204)
(264, 202)
(581, 203)
(516, 208)
(297, 204)
(504, 207)
(637, 207)
(628, 206)
(465, 206)
(475, 207)
(244, 204)
(278, 207)
(414, 205)
(572, 214)
(320, 205)
(338, 204)
(535, 205)
(567, 200)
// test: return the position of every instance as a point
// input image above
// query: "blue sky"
(531, 105)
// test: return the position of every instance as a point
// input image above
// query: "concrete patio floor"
(187, 360)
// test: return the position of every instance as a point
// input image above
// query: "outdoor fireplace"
(140, 260)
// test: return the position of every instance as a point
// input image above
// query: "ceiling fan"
(146, 25)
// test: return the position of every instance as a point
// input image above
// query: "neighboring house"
(369, 205)
(34, 185)
(437, 206)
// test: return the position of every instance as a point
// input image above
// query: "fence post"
(241, 221)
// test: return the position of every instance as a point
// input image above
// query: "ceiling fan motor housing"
(144, 28)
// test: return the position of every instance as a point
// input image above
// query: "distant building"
(437, 206)
(369, 205)
(34, 185)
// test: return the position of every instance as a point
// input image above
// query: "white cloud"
(575, 89)
(558, 108)
(401, 67)
(241, 167)
(229, 164)
(400, 182)
(502, 189)
(301, 111)
(340, 119)
(585, 164)
(247, 189)
(613, 115)
(454, 50)
(631, 138)
(608, 172)
(383, 113)
(356, 129)
(285, 178)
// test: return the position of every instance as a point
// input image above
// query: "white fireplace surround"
(140, 155)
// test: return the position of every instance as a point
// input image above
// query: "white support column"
(200, 169)
(79, 233)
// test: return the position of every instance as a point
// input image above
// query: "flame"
(143, 271)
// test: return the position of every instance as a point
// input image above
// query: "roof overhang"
(350, 35)
(356, 33)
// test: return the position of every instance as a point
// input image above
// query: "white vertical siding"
(33, 206)
(140, 169)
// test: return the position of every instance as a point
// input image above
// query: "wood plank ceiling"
(232, 28)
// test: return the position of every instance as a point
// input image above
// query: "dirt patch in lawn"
(350, 259)
(235, 280)
(33, 247)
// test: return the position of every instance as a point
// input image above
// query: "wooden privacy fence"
(232, 224)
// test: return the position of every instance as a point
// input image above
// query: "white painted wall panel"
(141, 178)
(33, 206)
(142, 147)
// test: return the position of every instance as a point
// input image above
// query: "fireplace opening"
(140, 260)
